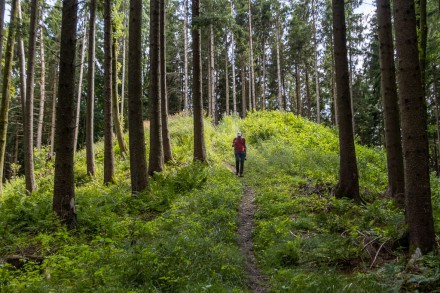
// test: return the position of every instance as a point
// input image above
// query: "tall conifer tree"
(64, 183)
(348, 185)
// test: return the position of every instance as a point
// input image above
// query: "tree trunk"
(185, 56)
(437, 114)
(390, 103)
(298, 91)
(54, 105)
(29, 120)
(315, 51)
(2, 19)
(115, 101)
(414, 130)
(251, 62)
(109, 167)
(199, 136)
(80, 81)
(226, 73)
(212, 75)
(209, 77)
(348, 185)
(124, 66)
(234, 84)
(243, 89)
(6, 82)
(22, 62)
(263, 77)
(64, 184)
(167, 154)
(156, 143)
(90, 148)
(334, 95)
(136, 133)
(350, 84)
(16, 145)
(234, 90)
(284, 92)
(277, 44)
(308, 102)
(423, 41)
(42, 90)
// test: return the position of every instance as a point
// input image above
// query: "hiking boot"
(241, 175)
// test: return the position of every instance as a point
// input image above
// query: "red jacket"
(239, 144)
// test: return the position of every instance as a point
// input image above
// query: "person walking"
(239, 145)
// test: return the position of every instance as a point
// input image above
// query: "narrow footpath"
(256, 279)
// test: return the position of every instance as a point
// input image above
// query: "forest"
(118, 129)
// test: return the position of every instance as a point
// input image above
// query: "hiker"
(239, 145)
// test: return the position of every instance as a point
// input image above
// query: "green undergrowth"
(305, 240)
(178, 237)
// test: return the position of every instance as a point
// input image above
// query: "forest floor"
(256, 280)
(200, 228)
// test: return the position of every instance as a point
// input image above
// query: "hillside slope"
(181, 236)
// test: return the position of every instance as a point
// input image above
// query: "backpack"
(239, 144)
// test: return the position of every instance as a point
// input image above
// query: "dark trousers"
(239, 162)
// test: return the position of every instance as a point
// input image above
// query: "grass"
(305, 239)
(181, 235)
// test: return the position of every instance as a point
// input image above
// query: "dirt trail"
(256, 279)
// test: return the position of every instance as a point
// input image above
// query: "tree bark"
(80, 81)
(64, 185)
(2, 20)
(22, 61)
(185, 56)
(115, 101)
(234, 83)
(423, 41)
(348, 185)
(156, 159)
(308, 102)
(138, 163)
(29, 121)
(414, 130)
(437, 114)
(263, 77)
(109, 167)
(226, 73)
(390, 103)
(42, 90)
(209, 79)
(243, 89)
(277, 44)
(16, 145)
(315, 51)
(199, 136)
(234, 89)
(124, 66)
(298, 91)
(136, 133)
(251, 62)
(90, 147)
(6, 82)
(212, 75)
(167, 153)
(54, 105)
(334, 95)
(350, 84)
